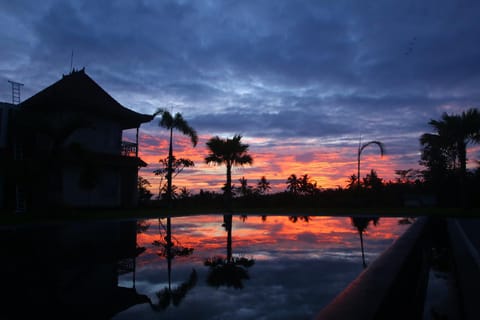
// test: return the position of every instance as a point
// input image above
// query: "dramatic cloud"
(285, 75)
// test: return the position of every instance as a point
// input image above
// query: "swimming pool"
(190, 267)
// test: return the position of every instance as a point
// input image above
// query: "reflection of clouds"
(276, 290)
(299, 267)
(307, 237)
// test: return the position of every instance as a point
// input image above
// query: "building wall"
(104, 137)
(5, 114)
(104, 193)
(115, 183)
(4, 122)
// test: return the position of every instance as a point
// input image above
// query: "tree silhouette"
(170, 250)
(177, 166)
(263, 186)
(458, 131)
(372, 181)
(244, 189)
(361, 147)
(447, 148)
(174, 122)
(230, 152)
(361, 224)
(303, 185)
(352, 182)
(293, 184)
(408, 176)
(294, 219)
(307, 185)
(229, 271)
(143, 193)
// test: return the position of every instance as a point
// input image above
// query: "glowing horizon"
(329, 165)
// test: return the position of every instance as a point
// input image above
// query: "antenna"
(16, 91)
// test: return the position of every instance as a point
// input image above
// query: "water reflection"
(129, 270)
(69, 271)
(169, 250)
(228, 271)
(294, 219)
(361, 224)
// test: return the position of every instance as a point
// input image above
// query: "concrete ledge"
(392, 287)
(466, 262)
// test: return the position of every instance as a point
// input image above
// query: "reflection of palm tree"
(229, 271)
(361, 223)
(169, 251)
(360, 149)
(175, 296)
(294, 219)
(230, 152)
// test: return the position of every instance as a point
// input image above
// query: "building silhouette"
(63, 148)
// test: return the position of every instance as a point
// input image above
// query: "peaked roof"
(78, 92)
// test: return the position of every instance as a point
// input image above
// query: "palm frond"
(378, 143)
(181, 124)
(166, 120)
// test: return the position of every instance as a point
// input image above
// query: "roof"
(6, 105)
(78, 92)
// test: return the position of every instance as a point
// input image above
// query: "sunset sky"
(301, 81)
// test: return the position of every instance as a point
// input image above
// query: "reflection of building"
(67, 148)
(68, 271)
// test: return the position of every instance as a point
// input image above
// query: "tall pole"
(360, 149)
(136, 142)
(358, 162)
(170, 169)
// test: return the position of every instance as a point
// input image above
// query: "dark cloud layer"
(277, 69)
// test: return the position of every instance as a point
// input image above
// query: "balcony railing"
(129, 149)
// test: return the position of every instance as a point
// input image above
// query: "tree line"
(444, 181)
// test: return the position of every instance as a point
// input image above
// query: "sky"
(301, 81)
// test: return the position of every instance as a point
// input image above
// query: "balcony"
(129, 149)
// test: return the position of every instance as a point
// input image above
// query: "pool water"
(191, 267)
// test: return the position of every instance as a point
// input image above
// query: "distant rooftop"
(78, 92)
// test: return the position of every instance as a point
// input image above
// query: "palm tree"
(361, 223)
(244, 189)
(458, 131)
(360, 149)
(453, 134)
(230, 152)
(293, 184)
(263, 185)
(174, 122)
